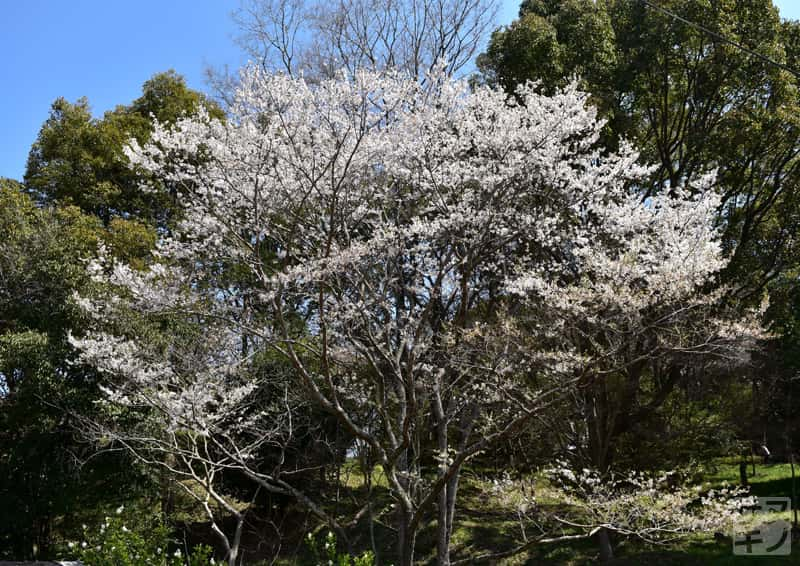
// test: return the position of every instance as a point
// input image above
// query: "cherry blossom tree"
(435, 265)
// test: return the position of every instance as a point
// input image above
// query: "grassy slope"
(486, 524)
(701, 549)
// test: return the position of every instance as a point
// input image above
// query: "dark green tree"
(694, 103)
(80, 160)
(48, 479)
(78, 192)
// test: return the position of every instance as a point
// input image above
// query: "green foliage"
(133, 541)
(692, 104)
(78, 159)
(552, 42)
(130, 241)
(79, 191)
(324, 551)
(529, 47)
(166, 97)
(693, 425)
(43, 479)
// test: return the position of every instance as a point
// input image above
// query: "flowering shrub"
(114, 544)
(325, 553)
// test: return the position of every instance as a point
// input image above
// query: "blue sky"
(106, 49)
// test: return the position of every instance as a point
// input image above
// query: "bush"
(325, 553)
(148, 543)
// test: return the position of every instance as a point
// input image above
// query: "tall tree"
(393, 232)
(79, 192)
(694, 103)
(78, 159)
(42, 476)
(691, 101)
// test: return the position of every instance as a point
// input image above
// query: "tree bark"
(233, 553)
(442, 535)
(604, 541)
(406, 539)
(599, 450)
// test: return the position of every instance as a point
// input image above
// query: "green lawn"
(774, 480)
(486, 523)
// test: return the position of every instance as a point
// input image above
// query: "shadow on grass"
(779, 487)
(712, 553)
(691, 553)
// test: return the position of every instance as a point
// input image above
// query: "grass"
(772, 480)
(352, 477)
(486, 522)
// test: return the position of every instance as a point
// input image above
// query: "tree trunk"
(444, 526)
(405, 539)
(597, 429)
(794, 490)
(442, 535)
(452, 492)
(451, 488)
(604, 541)
(442, 548)
(233, 553)
(167, 493)
(367, 467)
(599, 450)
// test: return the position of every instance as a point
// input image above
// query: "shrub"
(149, 543)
